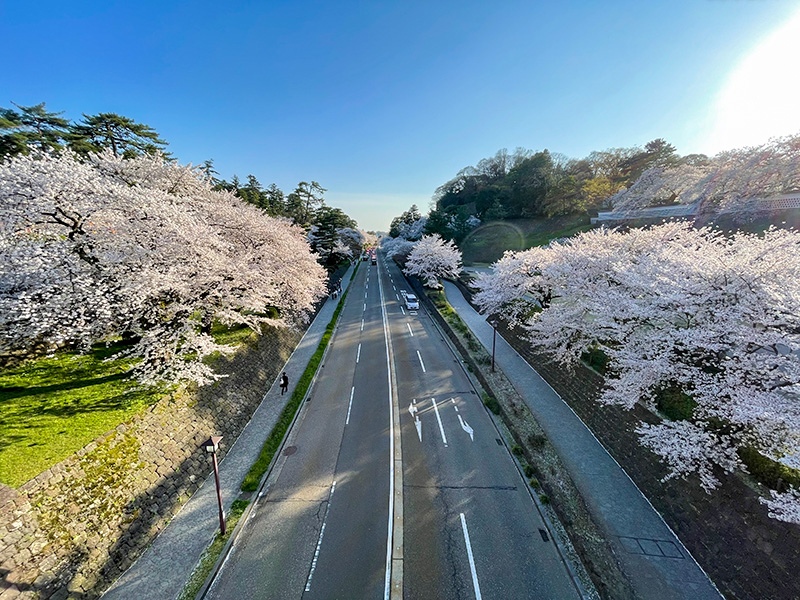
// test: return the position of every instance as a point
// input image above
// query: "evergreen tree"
(276, 203)
(123, 136)
(32, 125)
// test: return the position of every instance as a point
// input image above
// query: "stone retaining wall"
(72, 530)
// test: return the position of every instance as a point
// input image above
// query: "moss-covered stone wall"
(70, 531)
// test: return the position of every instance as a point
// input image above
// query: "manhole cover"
(289, 450)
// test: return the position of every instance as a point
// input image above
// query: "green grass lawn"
(52, 407)
(487, 243)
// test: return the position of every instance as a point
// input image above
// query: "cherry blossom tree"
(673, 307)
(729, 181)
(97, 248)
(432, 258)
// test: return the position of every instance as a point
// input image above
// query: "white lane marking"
(471, 558)
(417, 423)
(358, 354)
(319, 541)
(465, 426)
(409, 330)
(396, 296)
(456, 408)
(403, 309)
(394, 288)
(362, 324)
(422, 364)
(365, 306)
(349, 406)
(438, 418)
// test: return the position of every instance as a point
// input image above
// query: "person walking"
(284, 383)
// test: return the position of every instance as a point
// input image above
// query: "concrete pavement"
(657, 564)
(167, 564)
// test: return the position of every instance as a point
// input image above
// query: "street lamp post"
(493, 323)
(211, 447)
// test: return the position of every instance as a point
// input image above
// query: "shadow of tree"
(175, 470)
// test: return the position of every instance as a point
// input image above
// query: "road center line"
(409, 330)
(438, 418)
(349, 406)
(393, 579)
(358, 354)
(471, 558)
(319, 541)
(422, 364)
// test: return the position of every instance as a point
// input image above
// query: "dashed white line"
(471, 559)
(409, 329)
(349, 406)
(319, 541)
(404, 311)
(421, 364)
(358, 354)
(365, 306)
(438, 418)
(362, 324)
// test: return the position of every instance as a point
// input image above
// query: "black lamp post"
(211, 447)
(493, 323)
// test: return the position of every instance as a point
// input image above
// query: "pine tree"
(31, 126)
(123, 136)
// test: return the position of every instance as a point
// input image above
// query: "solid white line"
(349, 406)
(409, 330)
(358, 354)
(438, 418)
(319, 541)
(422, 364)
(471, 559)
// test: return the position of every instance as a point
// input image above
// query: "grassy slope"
(51, 407)
(487, 243)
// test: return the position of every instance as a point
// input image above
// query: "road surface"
(464, 524)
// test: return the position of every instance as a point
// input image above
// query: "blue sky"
(381, 102)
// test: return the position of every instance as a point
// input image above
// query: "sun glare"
(760, 98)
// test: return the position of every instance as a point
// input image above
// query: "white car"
(411, 302)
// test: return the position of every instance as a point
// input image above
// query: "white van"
(411, 302)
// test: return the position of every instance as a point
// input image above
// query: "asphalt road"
(322, 526)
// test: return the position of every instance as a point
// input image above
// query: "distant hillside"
(486, 244)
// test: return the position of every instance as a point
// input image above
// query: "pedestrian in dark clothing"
(284, 383)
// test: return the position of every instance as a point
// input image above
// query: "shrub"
(544, 498)
(528, 470)
(674, 403)
(491, 403)
(768, 472)
(537, 441)
(516, 450)
(535, 483)
(596, 359)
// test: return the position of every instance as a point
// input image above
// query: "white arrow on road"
(465, 426)
(417, 423)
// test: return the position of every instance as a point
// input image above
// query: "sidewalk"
(655, 561)
(167, 564)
